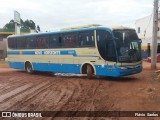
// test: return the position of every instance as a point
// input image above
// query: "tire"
(29, 68)
(89, 71)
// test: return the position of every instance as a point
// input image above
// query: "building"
(4, 33)
(144, 28)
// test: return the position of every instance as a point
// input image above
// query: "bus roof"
(77, 29)
(120, 28)
(80, 27)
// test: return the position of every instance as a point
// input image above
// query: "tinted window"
(101, 43)
(30, 42)
(111, 52)
(106, 45)
(70, 40)
(11, 43)
(21, 43)
(86, 39)
(55, 41)
(42, 41)
(66, 40)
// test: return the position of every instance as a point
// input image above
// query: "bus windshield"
(128, 45)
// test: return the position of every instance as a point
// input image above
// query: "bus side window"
(53, 41)
(101, 41)
(83, 39)
(31, 42)
(60, 42)
(73, 41)
(65, 39)
(21, 43)
(12, 43)
(110, 48)
(42, 41)
(86, 39)
(111, 53)
(80, 41)
(69, 40)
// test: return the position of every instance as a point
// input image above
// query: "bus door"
(106, 46)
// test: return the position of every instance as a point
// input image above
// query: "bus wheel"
(29, 68)
(89, 71)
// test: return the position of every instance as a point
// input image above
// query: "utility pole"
(17, 21)
(154, 36)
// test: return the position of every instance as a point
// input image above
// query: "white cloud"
(54, 14)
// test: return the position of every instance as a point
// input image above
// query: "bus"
(93, 50)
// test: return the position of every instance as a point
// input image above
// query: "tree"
(10, 25)
(38, 28)
(27, 24)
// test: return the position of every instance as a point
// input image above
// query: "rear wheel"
(29, 68)
(89, 71)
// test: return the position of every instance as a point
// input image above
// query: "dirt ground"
(20, 91)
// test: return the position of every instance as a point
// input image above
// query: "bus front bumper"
(125, 72)
(116, 71)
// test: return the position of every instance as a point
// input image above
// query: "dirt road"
(47, 92)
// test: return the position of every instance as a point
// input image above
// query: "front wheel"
(89, 71)
(29, 68)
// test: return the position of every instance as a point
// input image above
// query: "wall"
(146, 29)
(3, 47)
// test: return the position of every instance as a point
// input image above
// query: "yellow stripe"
(10, 33)
(144, 47)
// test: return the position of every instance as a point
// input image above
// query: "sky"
(53, 15)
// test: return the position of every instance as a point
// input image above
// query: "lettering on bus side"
(47, 52)
(51, 52)
(38, 52)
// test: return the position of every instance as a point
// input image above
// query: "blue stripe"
(86, 56)
(115, 71)
(13, 52)
(17, 65)
(101, 70)
(28, 52)
(51, 67)
(51, 52)
(68, 52)
(61, 52)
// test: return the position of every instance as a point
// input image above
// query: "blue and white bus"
(100, 51)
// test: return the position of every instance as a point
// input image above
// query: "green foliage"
(27, 24)
(38, 28)
(9, 25)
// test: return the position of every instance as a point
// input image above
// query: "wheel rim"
(29, 68)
